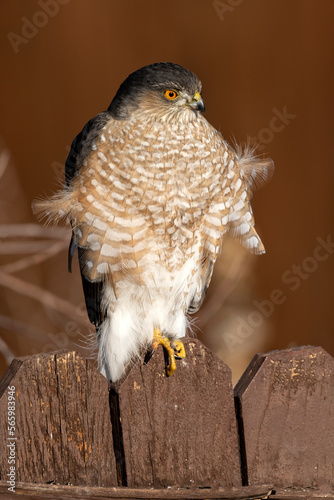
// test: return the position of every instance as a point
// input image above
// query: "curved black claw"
(148, 355)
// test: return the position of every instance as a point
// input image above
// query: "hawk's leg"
(174, 348)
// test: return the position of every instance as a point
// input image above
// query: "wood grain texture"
(63, 425)
(286, 403)
(28, 490)
(181, 430)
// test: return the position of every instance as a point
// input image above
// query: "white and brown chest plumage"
(153, 196)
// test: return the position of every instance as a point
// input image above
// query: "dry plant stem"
(33, 260)
(24, 247)
(46, 298)
(33, 231)
(4, 160)
(6, 351)
(20, 328)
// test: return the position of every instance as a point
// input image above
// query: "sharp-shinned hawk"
(151, 190)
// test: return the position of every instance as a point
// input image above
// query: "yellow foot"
(175, 349)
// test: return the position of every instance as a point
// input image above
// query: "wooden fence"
(187, 436)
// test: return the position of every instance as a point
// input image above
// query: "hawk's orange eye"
(171, 94)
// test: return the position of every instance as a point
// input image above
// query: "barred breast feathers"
(141, 183)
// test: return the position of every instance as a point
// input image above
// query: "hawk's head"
(163, 89)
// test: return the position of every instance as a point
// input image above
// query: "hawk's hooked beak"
(198, 103)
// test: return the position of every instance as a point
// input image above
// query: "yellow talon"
(171, 347)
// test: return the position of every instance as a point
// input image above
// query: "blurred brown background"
(267, 74)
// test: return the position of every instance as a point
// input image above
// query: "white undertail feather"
(131, 320)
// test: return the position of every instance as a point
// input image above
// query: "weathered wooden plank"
(285, 401)
(35, 491)
(62, 421)
(179, 430)
(30, 491)
(303, 494)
